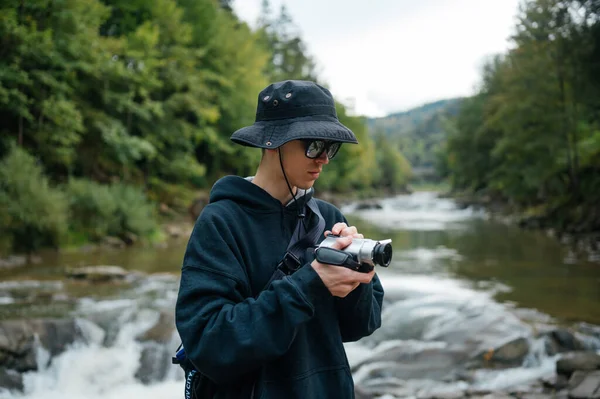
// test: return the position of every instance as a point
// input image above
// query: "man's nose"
(323, 158)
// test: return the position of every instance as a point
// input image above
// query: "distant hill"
(419, 131)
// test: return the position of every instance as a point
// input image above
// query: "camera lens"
(382, 254)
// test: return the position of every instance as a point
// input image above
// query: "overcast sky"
(387, 56)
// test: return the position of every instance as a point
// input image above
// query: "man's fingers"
(349, 231)
(363, 277)
(338, 227)
(342, 242)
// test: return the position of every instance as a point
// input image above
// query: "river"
(468, 300)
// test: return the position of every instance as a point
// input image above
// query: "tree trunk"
(566, 128)
(20, 131)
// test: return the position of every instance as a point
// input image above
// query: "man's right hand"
(338, 279)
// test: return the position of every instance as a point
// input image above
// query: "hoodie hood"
(247, 194)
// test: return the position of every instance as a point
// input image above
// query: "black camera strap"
(300, 242)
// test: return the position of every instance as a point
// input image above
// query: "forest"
(530, 137)
(115, 115)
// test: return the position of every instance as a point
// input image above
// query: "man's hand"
(343, 230)
(338, 279)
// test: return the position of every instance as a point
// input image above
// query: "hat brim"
(273, 134)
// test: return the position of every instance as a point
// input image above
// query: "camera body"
(364, 252)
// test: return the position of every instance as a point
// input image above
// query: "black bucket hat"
(292, 110)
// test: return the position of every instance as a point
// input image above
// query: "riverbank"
(573, 224)
(172, 223)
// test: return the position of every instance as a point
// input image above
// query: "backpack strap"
(298, 244)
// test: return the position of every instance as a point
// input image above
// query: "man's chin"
(307, 185)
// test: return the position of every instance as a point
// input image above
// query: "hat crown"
(293, 99)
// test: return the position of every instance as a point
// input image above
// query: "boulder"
(113, 242)
(366, 205)
(509, 354)
(584, 385)
(98, 273)
(574, 361)
(11, 380)
(13, 262)
(162, 331)
(560, 340)
(19, 340)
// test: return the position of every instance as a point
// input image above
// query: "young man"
(280, 340)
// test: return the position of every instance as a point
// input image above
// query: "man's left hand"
(343, 230)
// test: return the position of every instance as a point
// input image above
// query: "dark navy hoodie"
(283, 342)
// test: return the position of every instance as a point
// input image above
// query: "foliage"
(130, 104)
(98, 210)
(419, 133)
(530, 136)
(32, 213)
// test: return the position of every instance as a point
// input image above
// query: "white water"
(94, 371)
(436, 307)
(419, 211)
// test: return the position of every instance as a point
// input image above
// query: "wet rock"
(162, 331)
(154, 363)
(130, 238)
(556, 382)
(13, 261)
(370, 204)
(11, 380)
(113, 242)
(571, 362)
(98, 273)
(410, 359)
(477, 392)
(589, 329)
(19, 339)
(390, 386)
(562, 340)
(508, 354)
(485, 332)
(360, 393)
(450, 395)
(584, 385)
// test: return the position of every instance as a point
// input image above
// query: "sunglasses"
(315, 148)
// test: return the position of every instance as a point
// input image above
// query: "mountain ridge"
(418, 132)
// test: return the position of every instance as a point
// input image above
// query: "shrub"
(134, 212)
(32, 213)
(99, 210)
(93, 209)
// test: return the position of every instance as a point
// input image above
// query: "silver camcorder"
(361, 255)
